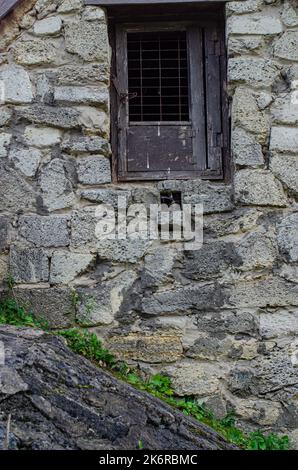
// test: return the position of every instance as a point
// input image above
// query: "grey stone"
(94, 120)
(242, 382)
(158, 266)
(69, 6)
(273, 292)
(101, 304)
(81, 95)
(193, 378)
(255, 72)
(280, 323)
(42, 137)
(65, 118)
(17, 86)
(48, 26)
(5, 115)
(240, 221)
(212, 260)
(4, 231)
(287, 236)
(244, 44)
(81, 75)
(182, 301)
(94, 170)
(35, 52)
(5, 140)
(285, 111)
(286, 47)
(106, 196)
(65, 266)
(83, 224)
(53, 305)
(92, 13)
(56, 186)
(259, 187)
(45, 231)
(86, 144)
(248, 6)
(257, 23)
(122, 251)
(215, 198)
(284, 139)
(106, 406)
(16, 194)
(246, 151)
(285, 168)
(289, 14)
(246, 114)
(257, 252)
(26, 160)
(28, 265)
(87, 39)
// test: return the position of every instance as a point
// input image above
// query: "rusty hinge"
(123, 96)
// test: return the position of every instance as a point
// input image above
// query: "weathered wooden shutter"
(187, 143)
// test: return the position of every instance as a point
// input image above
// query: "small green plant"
(13, 314)
(88, 345)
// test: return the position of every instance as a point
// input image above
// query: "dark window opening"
(158, 76)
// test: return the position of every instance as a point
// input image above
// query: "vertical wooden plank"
(197, 92)
(122, 85)
(213, 99)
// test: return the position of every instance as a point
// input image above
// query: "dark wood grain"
(6, 6)
(145, 2)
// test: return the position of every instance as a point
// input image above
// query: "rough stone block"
(101, 304)
(246, 150)
(69, 6)
(17, 86)
(255, 72)
(285, 111)
(122, 251)
(215, 198)
(158, 266)
(65, 266)
(4, 229)
(285, 168)
(181, 301)
(87, 39)
(15, 193)
(35, 52)
(239, 221)
(83, 224)
(42, 137)
(94, 120)
(256, 23)
(82, 75)
(81, 95)
(284, 139)
(289, 14)
(65, 118)
(29, 265)
(48, 26)
(26, 160)
(44, 231)
(94, 170)
(106, 196)
(5, 140)
(247, 6)
(56, 186)
(154, 347)
(260, 188)
(286, 47)
(277, 324)
(86, 144)
(287, 238)
(5, 115)
(257, 252)
(193, 378)
(52, 305)
(3, 269)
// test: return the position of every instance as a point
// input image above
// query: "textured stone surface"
(48, 26)
(85, 144)
(17, 87)
(4, 230)
(28, 265)
(81, 95)
(275, 324)
(246, 151)
(35, 52)
(257, 72)
(5, 140)
(45, 231)
(284, 139)
(259, 23)
(286, 47)
(257, 251)
(65, 118)
(87, 39)
(258, 187)
(52, 305)
(285, 168)
(106, 410)
(15, 193)
(42, 137)
(66, 266)
(56, 186)
(94, 170)
(287, 236)
(129, 251)
(26, 160)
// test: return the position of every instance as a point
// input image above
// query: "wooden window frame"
(212, 23)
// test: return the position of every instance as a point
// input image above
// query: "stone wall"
(221, 321)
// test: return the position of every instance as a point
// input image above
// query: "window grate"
(158, 76)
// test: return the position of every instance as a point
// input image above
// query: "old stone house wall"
(221, 321)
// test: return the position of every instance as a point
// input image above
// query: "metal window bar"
(158, 76)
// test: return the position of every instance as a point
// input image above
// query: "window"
(168, 98)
